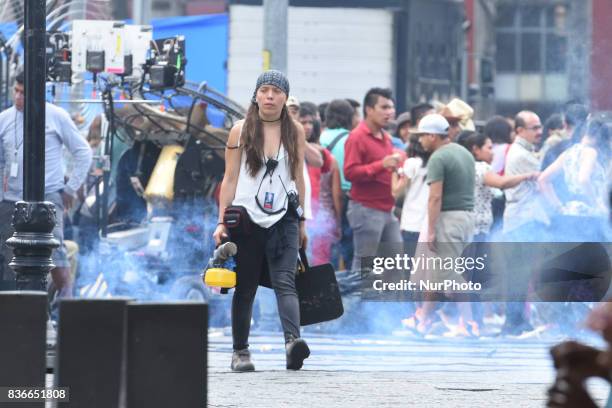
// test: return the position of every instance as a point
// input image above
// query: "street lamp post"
(34, 218)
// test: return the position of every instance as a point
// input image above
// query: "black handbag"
(318, 292)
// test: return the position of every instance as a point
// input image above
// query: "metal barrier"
(166, 355)
(90, 351)
(110, 353)
(23, 331)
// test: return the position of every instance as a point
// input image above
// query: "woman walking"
(263, 179)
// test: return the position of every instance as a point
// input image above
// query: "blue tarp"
(205, 43)
(8, 29)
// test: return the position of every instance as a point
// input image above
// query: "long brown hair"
(253, 140)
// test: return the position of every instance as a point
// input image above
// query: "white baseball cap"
(433, 123)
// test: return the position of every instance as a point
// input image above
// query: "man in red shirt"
(368, 163)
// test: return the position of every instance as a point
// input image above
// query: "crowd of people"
(428, 178)
(431, 175)
(373, 176)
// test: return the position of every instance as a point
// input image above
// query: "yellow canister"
(220, 278)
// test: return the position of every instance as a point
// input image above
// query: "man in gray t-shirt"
(450, 175)
(453, 166)
(60, 132)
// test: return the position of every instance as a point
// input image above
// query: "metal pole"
(3, 95)
(4, 67)
(464, 61)
(107, 96)
(137, 6)
(275, 34)
(120, 10)
(33, 218)
(141, 11)
(119, 102)
(34, 110)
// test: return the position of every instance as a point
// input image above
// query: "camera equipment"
(59, 57)
(128, 65)
(94, 61)
(166, 65)
(110, 47)
(294, 204)
(293, 201)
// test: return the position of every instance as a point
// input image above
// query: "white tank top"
(272, 196)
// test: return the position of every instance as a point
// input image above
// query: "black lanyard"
(271, 165)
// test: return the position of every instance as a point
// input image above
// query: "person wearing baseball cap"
(450, 226)
(433, 124)
(418, 112)
(264, 181)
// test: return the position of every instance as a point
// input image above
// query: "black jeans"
(267, 255)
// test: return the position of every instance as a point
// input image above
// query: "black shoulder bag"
(334, 142)
(318, 292)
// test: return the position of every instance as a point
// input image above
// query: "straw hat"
(459, 111)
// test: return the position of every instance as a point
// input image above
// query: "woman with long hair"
(264, 161)
(487, 179)
(410, 181)
(584, 216)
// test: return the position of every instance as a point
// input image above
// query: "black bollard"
(23, 330)
(90, 351)
(33, 218)
(166, 350)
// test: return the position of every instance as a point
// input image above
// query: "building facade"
(341, 48)
(538, 54)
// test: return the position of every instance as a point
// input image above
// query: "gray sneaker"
(241, 361)
(297, 352)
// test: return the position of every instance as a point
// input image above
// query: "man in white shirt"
(60, 132)
(524, 217)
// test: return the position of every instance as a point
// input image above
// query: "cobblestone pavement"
(386, 371)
